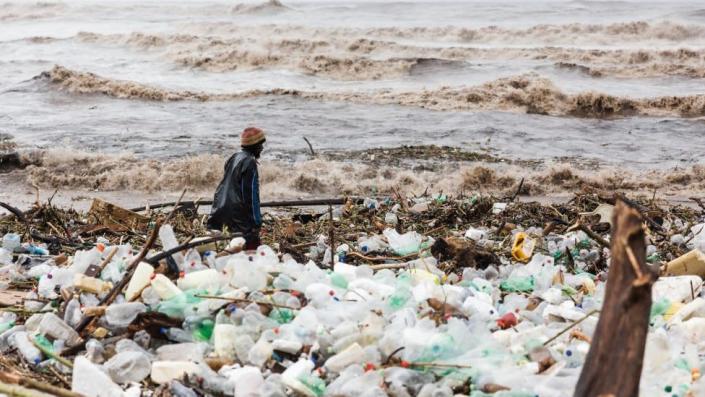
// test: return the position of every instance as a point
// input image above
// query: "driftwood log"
(614, 362)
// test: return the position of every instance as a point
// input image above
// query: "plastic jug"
(164, 287)
(351, 355)
(164, 371)
(91, 284)
(200, 279)
(224, 337)
(90, 381)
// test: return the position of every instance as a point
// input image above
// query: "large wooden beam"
(613, 365)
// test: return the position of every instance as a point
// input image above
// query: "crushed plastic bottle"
(403, 244)
(130, 366)
(11, 242)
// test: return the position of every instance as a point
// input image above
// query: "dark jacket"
(236, 200)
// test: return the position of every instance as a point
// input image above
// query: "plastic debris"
(487, 310)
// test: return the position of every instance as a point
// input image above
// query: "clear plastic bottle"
(5, 257)
(120, 315)
(24, 345)
(128, 367)
(55, 327)
(11, 242)
(353, 354)
(94, 351)
(72, 312)
(169, 241)
(260, 353)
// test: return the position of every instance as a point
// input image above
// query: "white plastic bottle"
(164, 287)
(351, 355)
(200, 279)
(139, 280)
(164, 371)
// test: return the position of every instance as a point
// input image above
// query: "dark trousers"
(252, 240)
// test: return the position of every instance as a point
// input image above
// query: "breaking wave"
(68, 168)
(528, 93)
(544, 34)
(30, 10)
(355, 56)
(268, 7)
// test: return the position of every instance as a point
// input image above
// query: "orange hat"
(251, 136)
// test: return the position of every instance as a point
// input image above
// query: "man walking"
(236, 201)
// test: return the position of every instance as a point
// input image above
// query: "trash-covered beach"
(423, 296)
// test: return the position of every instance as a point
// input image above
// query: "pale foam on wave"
(359, 55)
(10, 12)
(528, 93)
(68, 168)
(621, 33)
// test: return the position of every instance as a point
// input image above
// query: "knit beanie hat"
(251, 136)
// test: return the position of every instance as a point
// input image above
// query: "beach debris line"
(430, 295)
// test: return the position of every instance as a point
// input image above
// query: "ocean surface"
(106, 95)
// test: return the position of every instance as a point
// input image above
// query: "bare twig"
(310, 147)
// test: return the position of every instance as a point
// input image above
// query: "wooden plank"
(10, 297)
(116, 217)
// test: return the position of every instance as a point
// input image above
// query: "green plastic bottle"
(439, 347)
(659, 308)
(338, 280)
(44, 343)
(316, 385)
(177, 306)
(202, 330)
(402, 292)
(518, 284)
(281, 315)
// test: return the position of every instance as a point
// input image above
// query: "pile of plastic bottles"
(279, 327)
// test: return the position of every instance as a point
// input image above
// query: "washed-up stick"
(16, 212)
(511, 199)
(439, 365)
(310, 147)
(389, 266)
(243, 300)
(382, 258)
(614, 363)
(566, 329)
(17, 385)
(51, 354)
(580, 226)
(290, 203)
(176, 206)
(331, 236)
(162, 255)
(108, 258)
